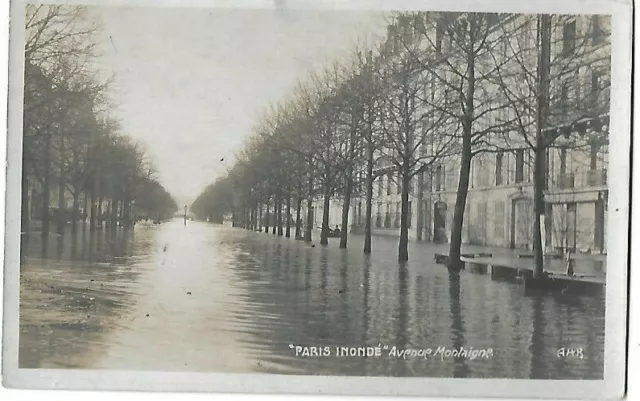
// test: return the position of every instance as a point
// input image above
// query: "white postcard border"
(618, 239)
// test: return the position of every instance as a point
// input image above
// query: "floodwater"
(212, 298)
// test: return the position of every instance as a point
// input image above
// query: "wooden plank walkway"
(520, 266)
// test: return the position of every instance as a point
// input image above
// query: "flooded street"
(213, 298)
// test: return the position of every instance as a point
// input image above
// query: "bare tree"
(412, 126)
(545, 87)
(454, 49)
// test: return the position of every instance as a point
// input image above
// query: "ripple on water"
(212, 298)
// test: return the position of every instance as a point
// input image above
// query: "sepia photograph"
(268, 190)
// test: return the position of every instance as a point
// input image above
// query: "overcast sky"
(190, 83)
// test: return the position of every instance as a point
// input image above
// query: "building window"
(596, 86)
(419, 24)
(428, 180)
(519, 165)
(597, 36)
(358, 186)
(499, 217)
(380, 185)
(504, 43)
(439, 178)
(439, 35)
(387, 217)
(499, 168)
(564, 96)
(569, 38)
(594, 156)
(529, 165)
(563, 161)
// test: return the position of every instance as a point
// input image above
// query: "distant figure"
(570, 263)
(337, 230)
(165, 248)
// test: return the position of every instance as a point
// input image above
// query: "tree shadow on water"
(460, 367)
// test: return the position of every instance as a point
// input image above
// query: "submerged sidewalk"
(585, 264)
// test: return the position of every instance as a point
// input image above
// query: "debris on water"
(51, 287)
(101, 285)
(88, 316)
(92, 299)
(313, 245)
(340, 291)
(147, 315)
(164, 249)
(92, 280)
(188, 292)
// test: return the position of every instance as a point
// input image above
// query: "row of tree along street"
(440, 85)
(77, 164)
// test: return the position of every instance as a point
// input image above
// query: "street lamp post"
(185, 215)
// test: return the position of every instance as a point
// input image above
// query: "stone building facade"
(499, 209)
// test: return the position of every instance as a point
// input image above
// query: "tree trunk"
(85, 205)
(121, 214)
(280, 230)
(126, 213)
(266, 219)
(260, 217)
(403, 244)
(369, 201)
(100, 212)
(419, 207)
(465, 168)
(101, 217)
(344, 230)
(46, 186)
(76, 211)
(114, 214)
(288, 217)
(108, 215)
(307, 229)
(324, 234)
(461, 200)
(345, 211)
(539, 179)
(254, 218)
(274, 229)
(93, 216)
(298, 211)
(61, 204)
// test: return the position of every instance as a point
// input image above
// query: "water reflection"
(213, 298)
(351, 299)
(457, 325)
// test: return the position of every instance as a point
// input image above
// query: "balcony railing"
(586, 179)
